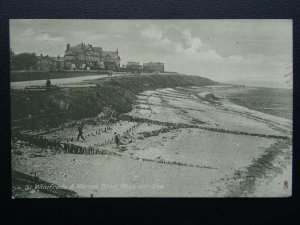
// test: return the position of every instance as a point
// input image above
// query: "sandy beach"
(220, 157)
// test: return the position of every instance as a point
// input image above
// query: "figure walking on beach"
(48, 83)
(117, 139)
(80, 128)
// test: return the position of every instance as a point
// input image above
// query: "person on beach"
(117, 139)
(80, 128)
(48, 83)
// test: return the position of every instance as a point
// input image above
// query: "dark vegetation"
(137, 84)
(42, 109)
(23, 61)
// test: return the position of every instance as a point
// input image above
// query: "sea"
(273, 101)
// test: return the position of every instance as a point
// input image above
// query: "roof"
(99, 49)
(83, 47)
(79, 48)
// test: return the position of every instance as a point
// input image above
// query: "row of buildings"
(146, 67)
(87, 57)
(81, 57)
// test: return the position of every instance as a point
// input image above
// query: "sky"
(249, 52)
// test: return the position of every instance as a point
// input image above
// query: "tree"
(11, 58)
(23, 61)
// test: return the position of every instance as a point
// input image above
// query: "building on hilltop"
(79, 57)
(83, 56)
(153, 67)
(111, 60)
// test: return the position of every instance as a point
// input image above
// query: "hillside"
(51, 108)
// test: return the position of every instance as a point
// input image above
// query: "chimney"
(68, 46)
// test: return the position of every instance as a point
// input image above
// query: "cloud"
(155, 37)
(87, 37)
(47, 37)
(196, 50)
(195, 44)
(152, 32)
(235, 59)
(27, 33)
(190, 49)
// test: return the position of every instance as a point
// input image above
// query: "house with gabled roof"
(83, 56)
(86, 56)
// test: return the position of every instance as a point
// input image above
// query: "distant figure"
(117, 139)
(80, 128)
(48, 83)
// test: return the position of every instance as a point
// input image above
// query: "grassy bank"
(43, 75)
(51, 108)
